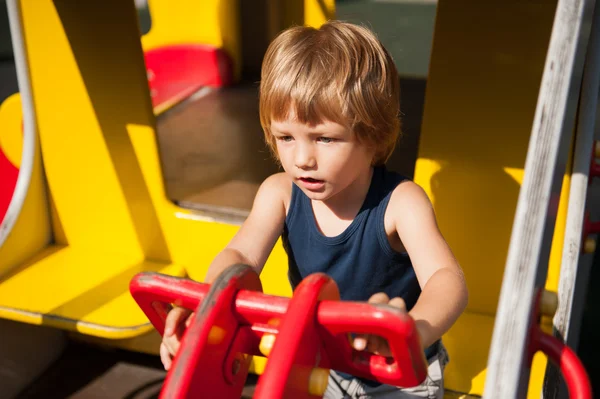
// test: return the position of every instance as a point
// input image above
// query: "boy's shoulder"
(279, 181)
(407, 199)
(278, 186)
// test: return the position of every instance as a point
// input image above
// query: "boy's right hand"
(177, 321)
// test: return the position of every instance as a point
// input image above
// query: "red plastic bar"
(298, 348)
(177, 71)
(572, 369)
(155, 292)
(211, 361)
(561, 355)
(334, 319)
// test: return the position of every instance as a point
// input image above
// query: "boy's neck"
(352, 197)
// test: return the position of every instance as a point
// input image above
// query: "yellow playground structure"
(504, 153)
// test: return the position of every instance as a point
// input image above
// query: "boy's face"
(324, 159)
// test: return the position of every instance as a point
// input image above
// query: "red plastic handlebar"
(572, 369)
(333, 320)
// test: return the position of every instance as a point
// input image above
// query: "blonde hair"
(340, 73)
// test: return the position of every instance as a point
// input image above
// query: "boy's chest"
(332, 225)
(329, 224)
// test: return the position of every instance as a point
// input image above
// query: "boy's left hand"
(373, 343)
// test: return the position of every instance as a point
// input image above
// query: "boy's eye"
(326, 140)
(285, 138)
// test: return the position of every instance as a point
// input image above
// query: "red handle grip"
(155, 292)
(387, 322)
(572, 369)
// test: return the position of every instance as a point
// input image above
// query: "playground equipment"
(303, 337)
(80, 228)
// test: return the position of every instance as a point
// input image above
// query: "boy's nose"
(304, 158)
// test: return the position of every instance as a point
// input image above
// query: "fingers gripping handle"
(155, 293)
(408, 366)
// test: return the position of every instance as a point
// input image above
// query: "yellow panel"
(65, 293)
(82, 104)
(558, 237)
(476, 125)
(466, 370)
(11, 133)
(211, 22)
(304, 12)
(32, 230)
(479, 105)
(110, 212)
(536, 379)
(317, 12)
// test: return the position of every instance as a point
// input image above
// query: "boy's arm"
(251, 245)
(444, 293)
(257, 236)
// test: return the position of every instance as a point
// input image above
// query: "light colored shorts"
(431, 388)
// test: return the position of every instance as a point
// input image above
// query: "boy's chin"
(316, 195)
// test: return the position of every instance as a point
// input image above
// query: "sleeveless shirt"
(360, 260)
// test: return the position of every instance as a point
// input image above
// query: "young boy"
(329, 107)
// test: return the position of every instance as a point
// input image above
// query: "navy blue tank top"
(360, 260)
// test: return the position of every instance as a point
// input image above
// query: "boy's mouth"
(310, 180)
(312, 184)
